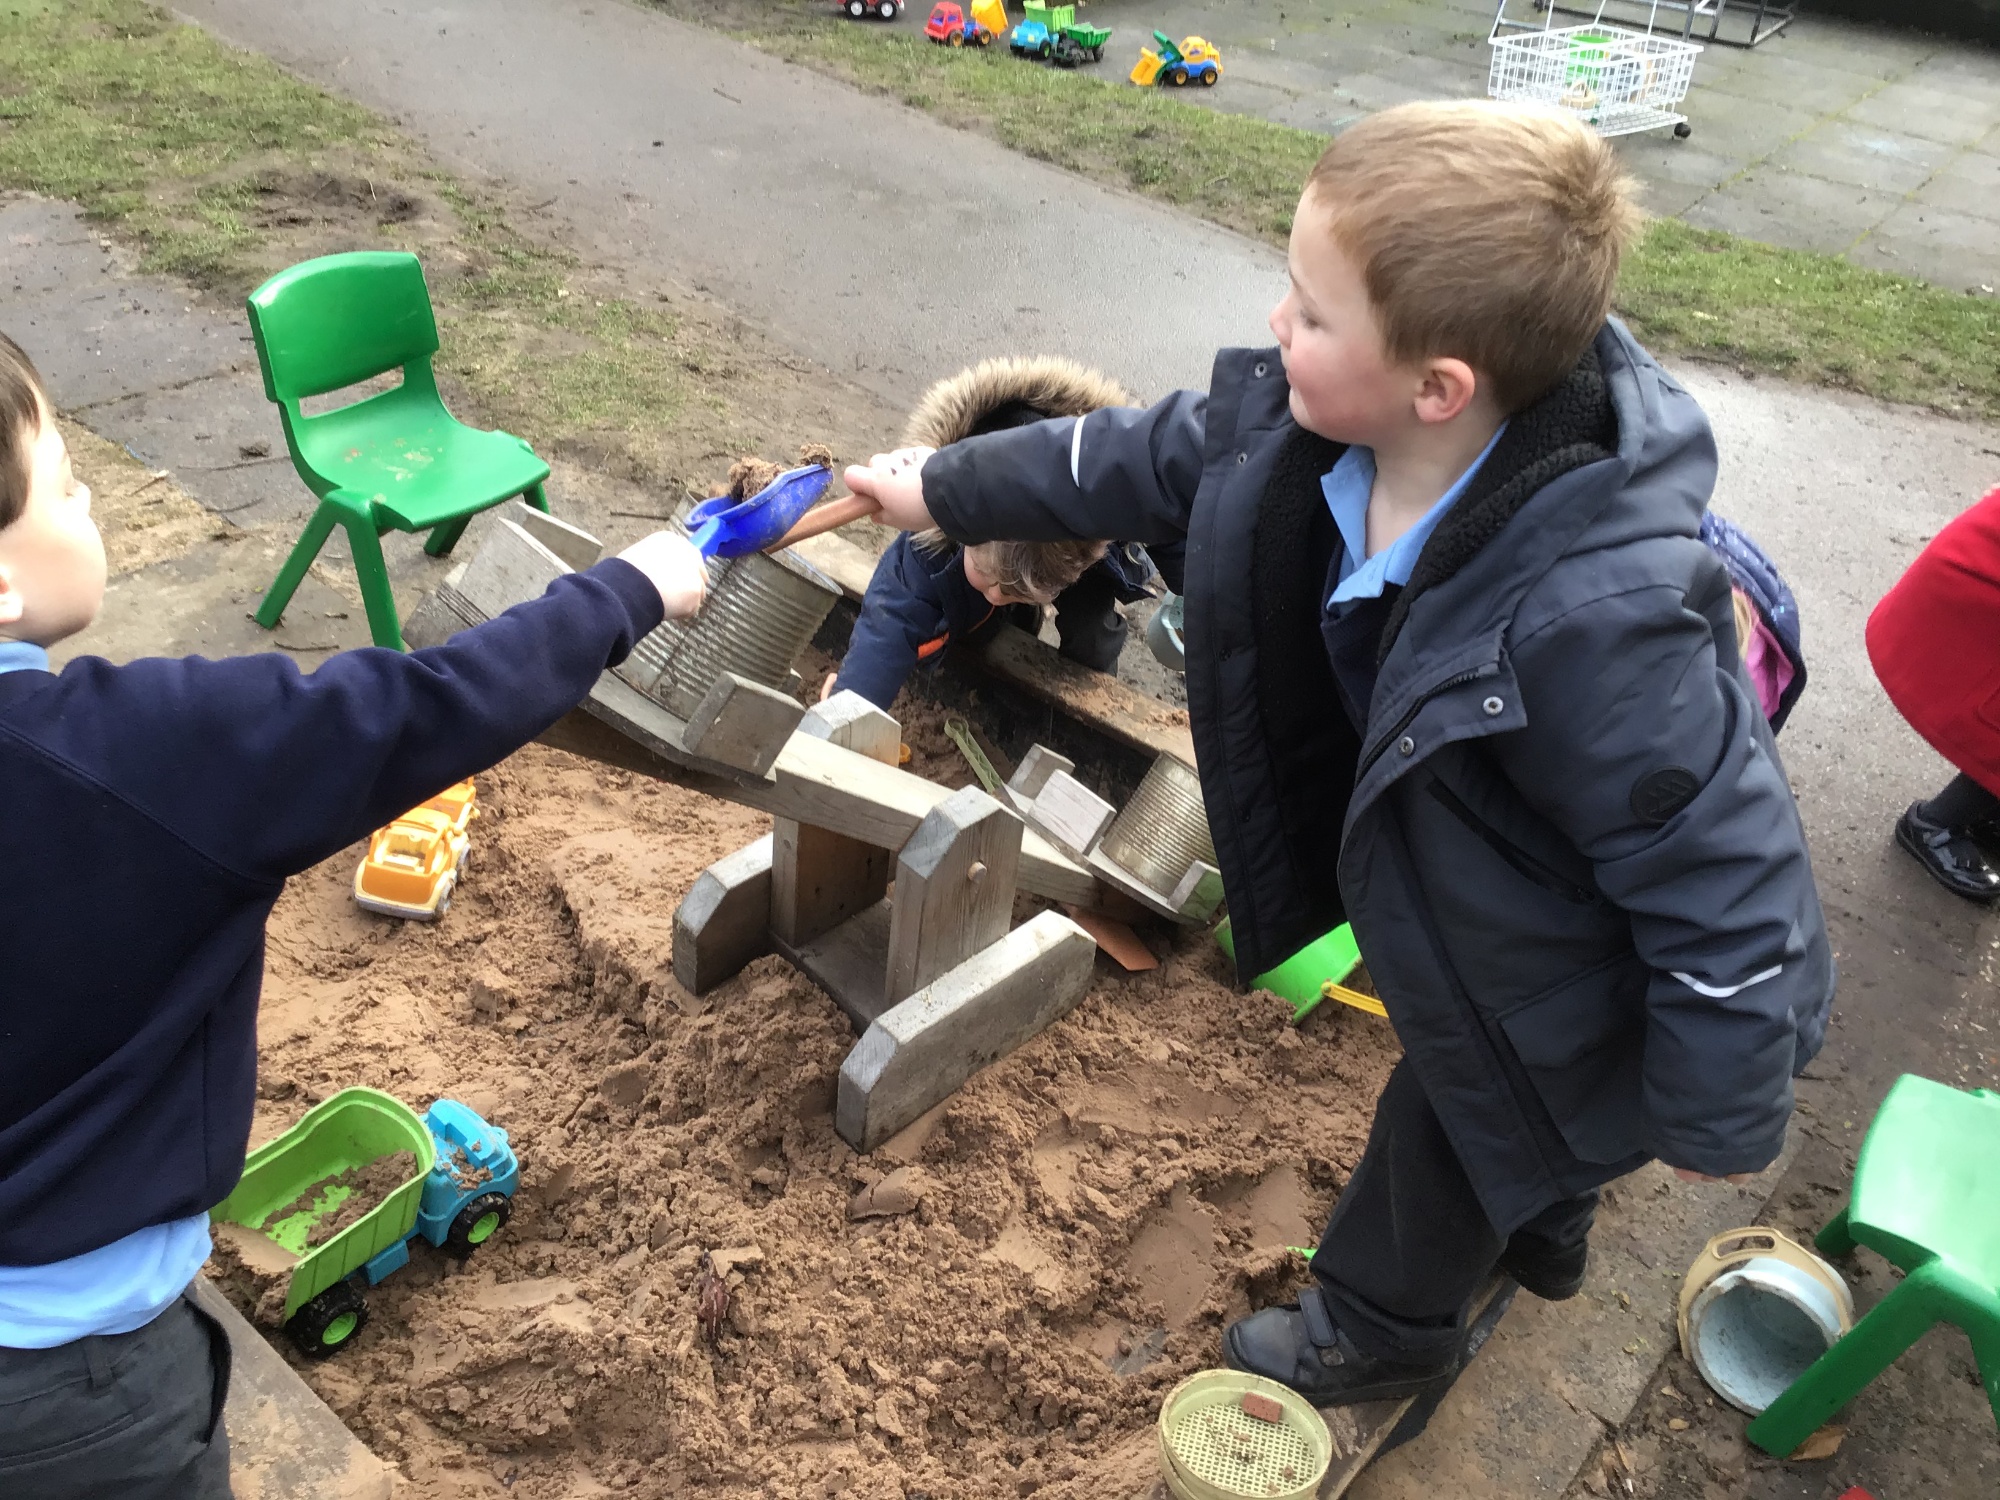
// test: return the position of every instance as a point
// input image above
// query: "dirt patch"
(143, 516)
(702, 1290)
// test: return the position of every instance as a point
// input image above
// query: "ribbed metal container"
(1163, 829)
(760, 614)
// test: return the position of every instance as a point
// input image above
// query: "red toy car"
(888, 10)
(950, 27)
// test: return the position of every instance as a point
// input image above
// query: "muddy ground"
(1140, 1167)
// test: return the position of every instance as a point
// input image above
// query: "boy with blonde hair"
(1461, 671)
(150, 815)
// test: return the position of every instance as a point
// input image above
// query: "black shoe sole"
(1379, 1390)
(1921, 855)
(1547, 1291)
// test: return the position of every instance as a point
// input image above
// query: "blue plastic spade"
(733, 528)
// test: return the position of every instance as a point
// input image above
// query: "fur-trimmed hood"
(998, 393)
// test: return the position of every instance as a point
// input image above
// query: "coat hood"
(1000, 393)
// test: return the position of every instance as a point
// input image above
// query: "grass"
(1695, 292)
(222, 168)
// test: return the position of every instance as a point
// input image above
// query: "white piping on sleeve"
(1724, 991)
(1076, 453)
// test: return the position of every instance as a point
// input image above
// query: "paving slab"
(1969, 183)
(1821, 215)
(1916, 108)
(1933, 243)
(1864, 156)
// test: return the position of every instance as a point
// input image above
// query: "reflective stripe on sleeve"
(1724, 991)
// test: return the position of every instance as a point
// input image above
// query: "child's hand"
(895, 481)
(672, 566)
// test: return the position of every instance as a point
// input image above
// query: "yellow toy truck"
(412, 866)
(1193, 61)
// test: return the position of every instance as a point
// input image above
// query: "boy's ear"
(1447, 388)
(12, 605)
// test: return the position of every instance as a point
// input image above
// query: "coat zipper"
(1522, 862)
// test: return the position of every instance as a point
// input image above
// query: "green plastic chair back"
(1927, 1199)
(396, 460)
(329, 323)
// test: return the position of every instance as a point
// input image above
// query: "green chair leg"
(1986, 1354)
(383, 626)
(1837, 1239)
(536, 497)
(293, 573)
(443, 538)
(1837, 1376)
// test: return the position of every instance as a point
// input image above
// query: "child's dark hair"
(23, 400)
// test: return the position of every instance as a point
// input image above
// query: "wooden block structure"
(931, 977)
(738, 728)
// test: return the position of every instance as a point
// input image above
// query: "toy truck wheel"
(886, 10)
(329, 1322)
(477, 1222)
(956, 39)
(1179, 76)
(857, 8)
(1208, 77)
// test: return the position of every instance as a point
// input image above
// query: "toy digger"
(1193, 61)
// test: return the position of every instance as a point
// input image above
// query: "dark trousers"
(1408, 1245)
(136, 1416)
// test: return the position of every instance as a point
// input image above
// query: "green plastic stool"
(1927, 1199)
(1304, 979)
(395, 461)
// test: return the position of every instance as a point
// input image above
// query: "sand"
(702, 1289)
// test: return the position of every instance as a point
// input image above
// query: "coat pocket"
(1582, 1045)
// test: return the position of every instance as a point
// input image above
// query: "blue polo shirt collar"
(1347, 486)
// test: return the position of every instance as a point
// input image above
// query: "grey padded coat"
(1564, 839)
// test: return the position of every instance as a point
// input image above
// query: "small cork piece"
(1263, 1408)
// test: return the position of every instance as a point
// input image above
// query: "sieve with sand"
(1229, 1435)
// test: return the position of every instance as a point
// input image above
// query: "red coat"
(1935, 643)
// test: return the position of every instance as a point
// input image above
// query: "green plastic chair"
(1927, 1199)
(396, 461)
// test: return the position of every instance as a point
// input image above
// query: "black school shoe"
(1301, 1347)
(1950, 856)
(1553, 1276)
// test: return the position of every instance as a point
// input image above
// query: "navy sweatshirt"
(152, 813)
(919, 601)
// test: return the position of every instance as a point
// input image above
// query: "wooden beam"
(918, 1053)
(724, 920)
(820, 878)
(819, 783)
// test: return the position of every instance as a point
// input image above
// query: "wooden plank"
(955, 883)
(1033, 773)
(724, 921)
(816, 782)
(921, 1051)
(572, 544)
(1113, 707)
(284, 1442)
(742, 723)
(1070, 813)
(847, 563)
(509, 567)
(1198, 894)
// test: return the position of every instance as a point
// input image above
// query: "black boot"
(1552, 1275)
(1950, 856)
(1302, 1348)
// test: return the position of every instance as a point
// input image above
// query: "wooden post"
(954, 889)
(724, 921)
(820, 878)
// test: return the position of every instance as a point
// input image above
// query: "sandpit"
(1107, 1196)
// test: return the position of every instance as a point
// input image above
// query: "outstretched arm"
(268, 770)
